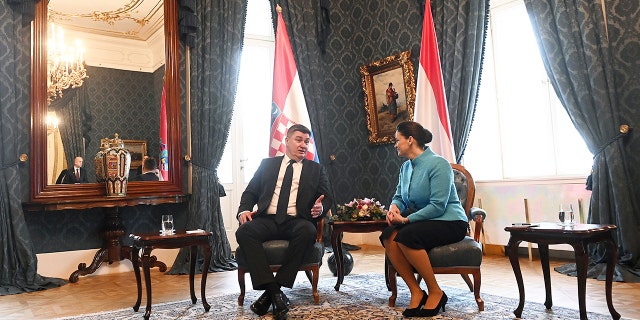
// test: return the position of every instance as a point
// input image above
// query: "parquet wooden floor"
(115, 291)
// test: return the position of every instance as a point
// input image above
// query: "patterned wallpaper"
(362, 32)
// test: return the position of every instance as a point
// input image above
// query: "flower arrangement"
(360, 210)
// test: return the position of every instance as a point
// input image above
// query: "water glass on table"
(566, 218)
(167, 224)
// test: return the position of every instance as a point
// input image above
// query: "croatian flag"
(431, 104)
(288, 106)
(163, 160)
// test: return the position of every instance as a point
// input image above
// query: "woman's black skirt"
(427, 234)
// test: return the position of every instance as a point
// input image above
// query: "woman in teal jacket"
(425, 213)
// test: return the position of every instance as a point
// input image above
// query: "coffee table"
(578, 236)
(339, 227)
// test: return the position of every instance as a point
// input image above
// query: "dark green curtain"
(461, 28)
(215, 66)
(18, 262)
(72, 107)
(590, 61)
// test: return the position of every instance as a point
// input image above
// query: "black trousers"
(250, 235)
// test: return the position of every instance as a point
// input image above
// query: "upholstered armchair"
(275, 250)
(464, 257)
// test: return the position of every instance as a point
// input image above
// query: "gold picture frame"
(137, 149)
(379, 77)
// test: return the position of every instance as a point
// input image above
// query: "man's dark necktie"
(285, 191)
(77, 174)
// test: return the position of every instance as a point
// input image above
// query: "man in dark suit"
(77, 174)
(149, 170)
(309, 199)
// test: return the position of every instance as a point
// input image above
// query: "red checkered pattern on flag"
(431, 104)
(288, 106)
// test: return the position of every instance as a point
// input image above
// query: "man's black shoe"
(261, 306)
(285, 299)
(280, 308)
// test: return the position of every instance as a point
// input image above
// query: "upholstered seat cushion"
(467, 252)
(276, 250)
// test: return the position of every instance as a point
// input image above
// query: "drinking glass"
(167, 224)
(561, 215)
(571, 217)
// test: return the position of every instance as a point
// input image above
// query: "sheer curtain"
(591, 75)
(215, 66)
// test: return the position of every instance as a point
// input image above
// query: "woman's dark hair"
(415, 130)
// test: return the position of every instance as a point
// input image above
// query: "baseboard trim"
(500, 250)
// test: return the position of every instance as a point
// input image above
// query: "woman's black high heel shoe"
(413, 312)
(434, 312)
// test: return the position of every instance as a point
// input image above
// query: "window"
(249, 137)
(521, 131)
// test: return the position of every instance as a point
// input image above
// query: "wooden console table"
(578, 236)
(339, 227)
(149, 241)
(112, 250)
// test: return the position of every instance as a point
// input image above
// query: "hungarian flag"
(288, 106)
(163, 159)
(431, 104)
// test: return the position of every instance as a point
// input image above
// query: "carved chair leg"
(391, 275)
(466, 279)
(314, 283)
(309, 275)
(241, 273)
(477, 281)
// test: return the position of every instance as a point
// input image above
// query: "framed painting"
(137, 149)
(389, 95)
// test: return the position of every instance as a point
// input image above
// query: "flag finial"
(278, 8)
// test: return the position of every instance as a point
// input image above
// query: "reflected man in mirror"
(77, 174)
(150, 170)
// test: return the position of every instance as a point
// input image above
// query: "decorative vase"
(98, 160)
(347, 260)
(116, 163)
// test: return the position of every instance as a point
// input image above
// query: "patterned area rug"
(360, 297)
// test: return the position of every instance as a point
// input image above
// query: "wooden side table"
(578, 236)
(149, 241)
(339, 227)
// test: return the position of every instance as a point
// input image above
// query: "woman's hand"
(393, 215)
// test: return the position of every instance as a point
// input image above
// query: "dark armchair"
(275, 250)
(463, 257)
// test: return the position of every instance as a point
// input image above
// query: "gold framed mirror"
(53, 196)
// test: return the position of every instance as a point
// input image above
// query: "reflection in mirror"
(122, 45)
(130, 50)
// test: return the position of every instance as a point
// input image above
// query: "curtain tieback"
(624, 130)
